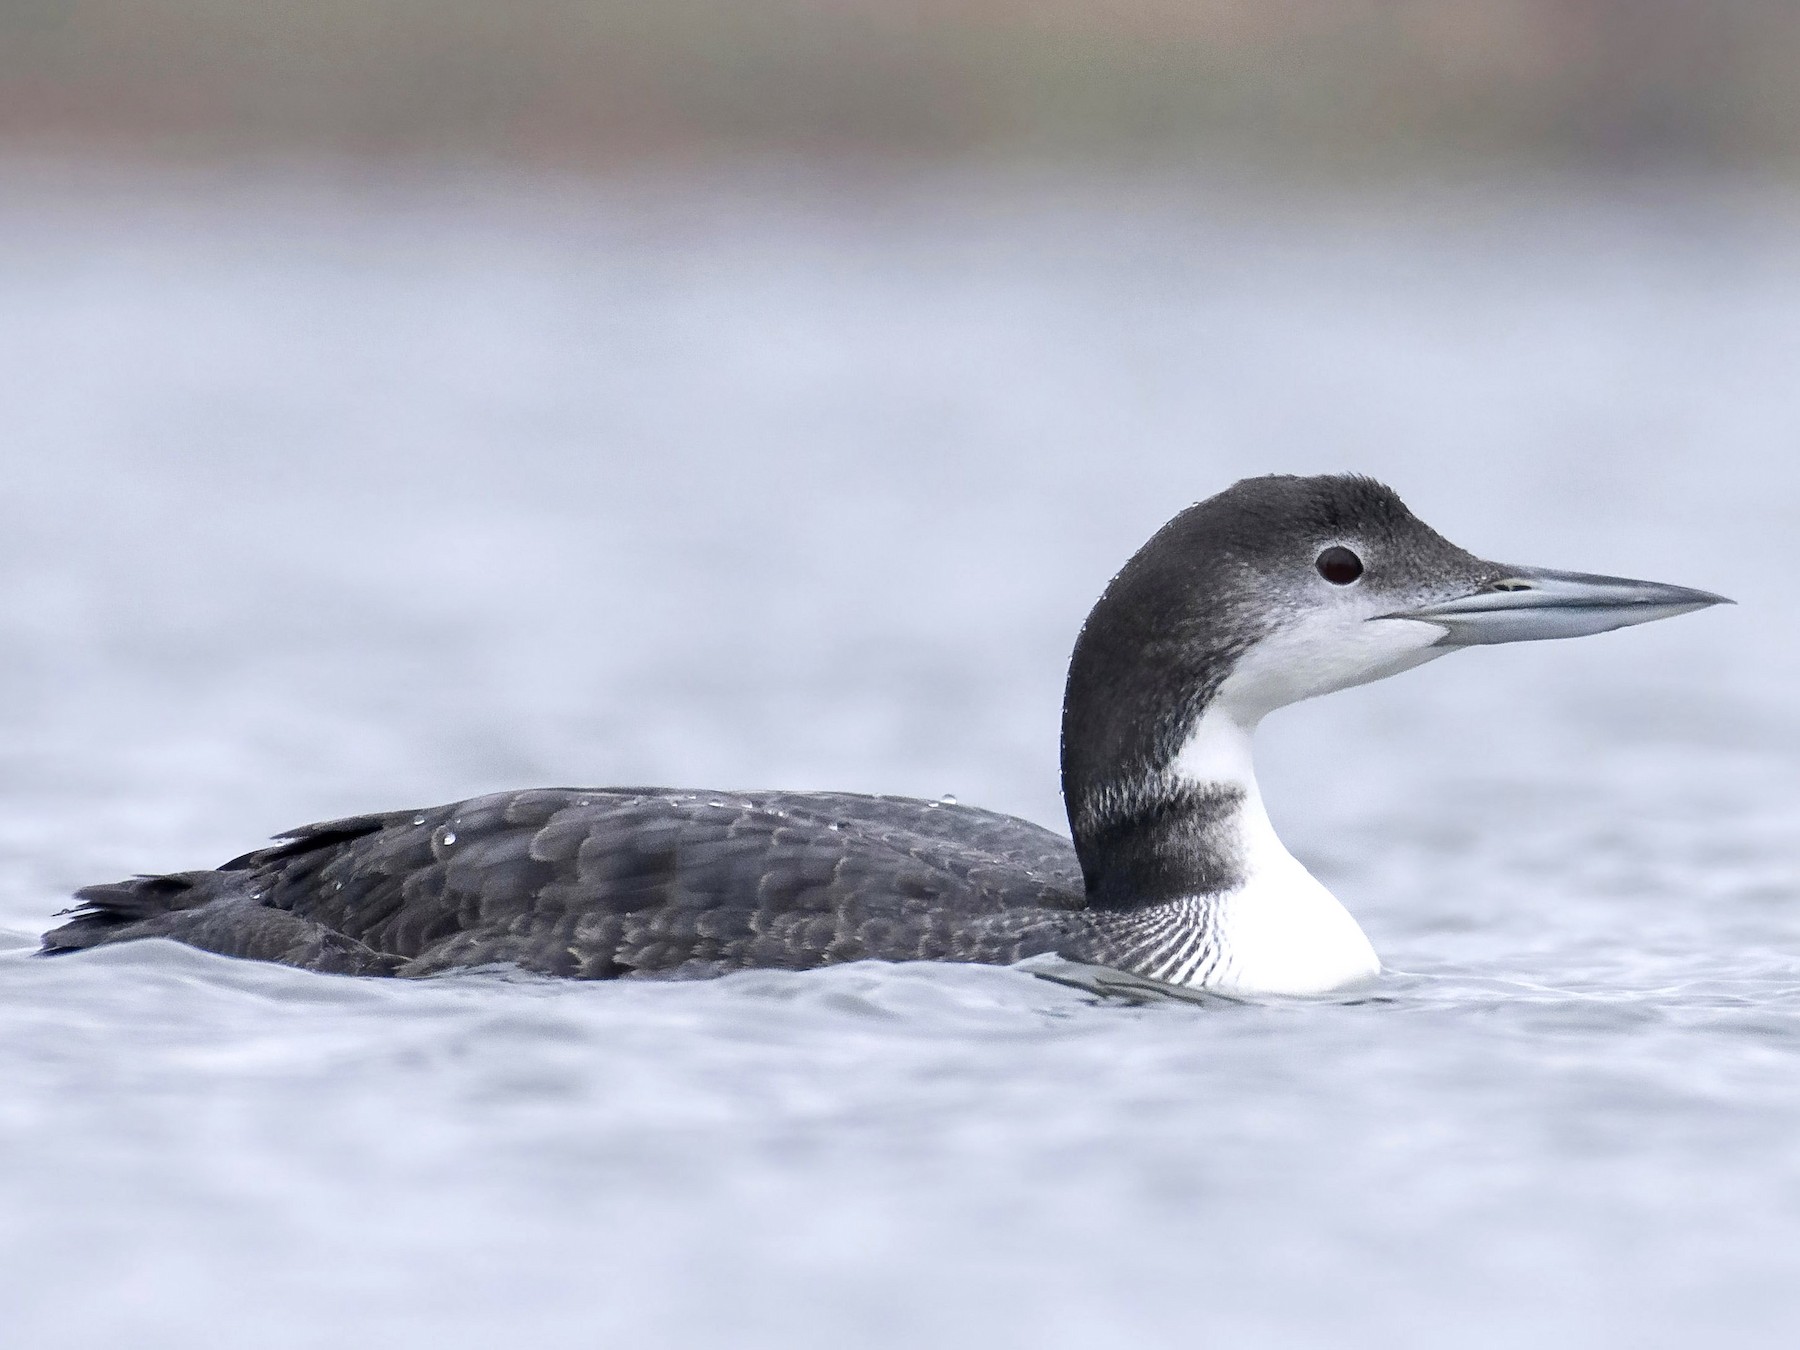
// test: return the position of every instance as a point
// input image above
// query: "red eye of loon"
(1339, 565)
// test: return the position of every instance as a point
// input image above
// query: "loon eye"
(1339, 565)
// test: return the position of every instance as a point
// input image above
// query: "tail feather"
(102, 910)
(216, 912)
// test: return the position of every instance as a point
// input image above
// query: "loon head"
(1278, 589)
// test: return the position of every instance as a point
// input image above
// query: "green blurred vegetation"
(597, 80)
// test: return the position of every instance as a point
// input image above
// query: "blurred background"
(408, 399)
(1321, 83)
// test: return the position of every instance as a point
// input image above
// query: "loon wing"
(597, 884)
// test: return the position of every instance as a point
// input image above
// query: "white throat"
(1281, 932)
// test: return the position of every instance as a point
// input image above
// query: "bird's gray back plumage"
(600, 884)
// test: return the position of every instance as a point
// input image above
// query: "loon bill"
(1276, 590)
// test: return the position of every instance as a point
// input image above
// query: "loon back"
(598, 884)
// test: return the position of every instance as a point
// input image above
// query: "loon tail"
(144, 905)
(215, 911)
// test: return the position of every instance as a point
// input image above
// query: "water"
(324, 495)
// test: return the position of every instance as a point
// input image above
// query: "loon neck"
(1180, 658)
(1194, 839)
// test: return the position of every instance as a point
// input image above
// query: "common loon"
(1275, 590)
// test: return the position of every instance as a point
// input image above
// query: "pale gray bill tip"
(1530, 604)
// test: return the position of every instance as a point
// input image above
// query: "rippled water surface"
(325, 495)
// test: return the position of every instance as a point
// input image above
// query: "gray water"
(325, 494)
